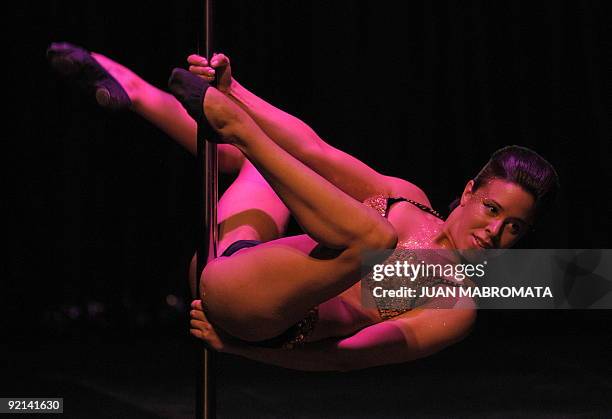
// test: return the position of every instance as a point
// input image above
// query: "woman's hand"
(218, 69)
(202, 329)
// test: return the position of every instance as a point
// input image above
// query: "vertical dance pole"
(206, 235)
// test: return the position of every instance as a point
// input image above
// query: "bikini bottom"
(297, 334)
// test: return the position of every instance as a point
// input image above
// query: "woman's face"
(496, 215)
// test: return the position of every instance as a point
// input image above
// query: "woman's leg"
(328, 215)
(165, 112)
(250, 210)
(343, 170)
(348, 173)
(260, 291)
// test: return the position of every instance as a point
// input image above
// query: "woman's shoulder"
(400, 188)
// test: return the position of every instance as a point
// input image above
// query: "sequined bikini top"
(382, 204)
(388, 308)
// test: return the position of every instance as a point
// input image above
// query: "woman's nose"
(494, 227)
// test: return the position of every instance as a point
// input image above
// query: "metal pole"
(207, 194)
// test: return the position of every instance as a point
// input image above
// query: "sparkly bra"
(382, 204)
(388, 308)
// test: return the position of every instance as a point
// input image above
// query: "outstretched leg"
(164, 111)
(123, 88)
(260, 291)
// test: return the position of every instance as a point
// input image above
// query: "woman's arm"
(383, 343)
(415, 334)
(346, 172)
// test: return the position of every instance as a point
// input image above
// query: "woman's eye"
(491, 208)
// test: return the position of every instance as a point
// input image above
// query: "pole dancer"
(295, 301)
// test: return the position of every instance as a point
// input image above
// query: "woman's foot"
(190, 90)
(72, 61)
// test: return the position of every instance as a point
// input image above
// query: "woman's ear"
(467, 192)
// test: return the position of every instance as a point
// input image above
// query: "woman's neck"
(444, 239)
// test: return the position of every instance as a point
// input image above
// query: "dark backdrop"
(101, 206)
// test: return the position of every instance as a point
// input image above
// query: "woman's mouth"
(481, 243)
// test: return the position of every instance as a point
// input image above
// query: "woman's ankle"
(133, 85)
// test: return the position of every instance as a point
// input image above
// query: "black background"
(101, 207)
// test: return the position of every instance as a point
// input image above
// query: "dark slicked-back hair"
(527, 169)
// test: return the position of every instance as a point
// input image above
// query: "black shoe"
(190, 90)
(72, 61)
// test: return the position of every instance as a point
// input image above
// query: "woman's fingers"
(204, 68)
(198, 315)
(201, 70)
(198, 60)
(207, 72)
(219, 60)
(199, 66)
(200, 324)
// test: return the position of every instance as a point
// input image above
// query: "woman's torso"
(345, 314)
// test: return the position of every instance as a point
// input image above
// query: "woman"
(267, 293)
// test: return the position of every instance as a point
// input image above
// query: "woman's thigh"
(259, 292)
